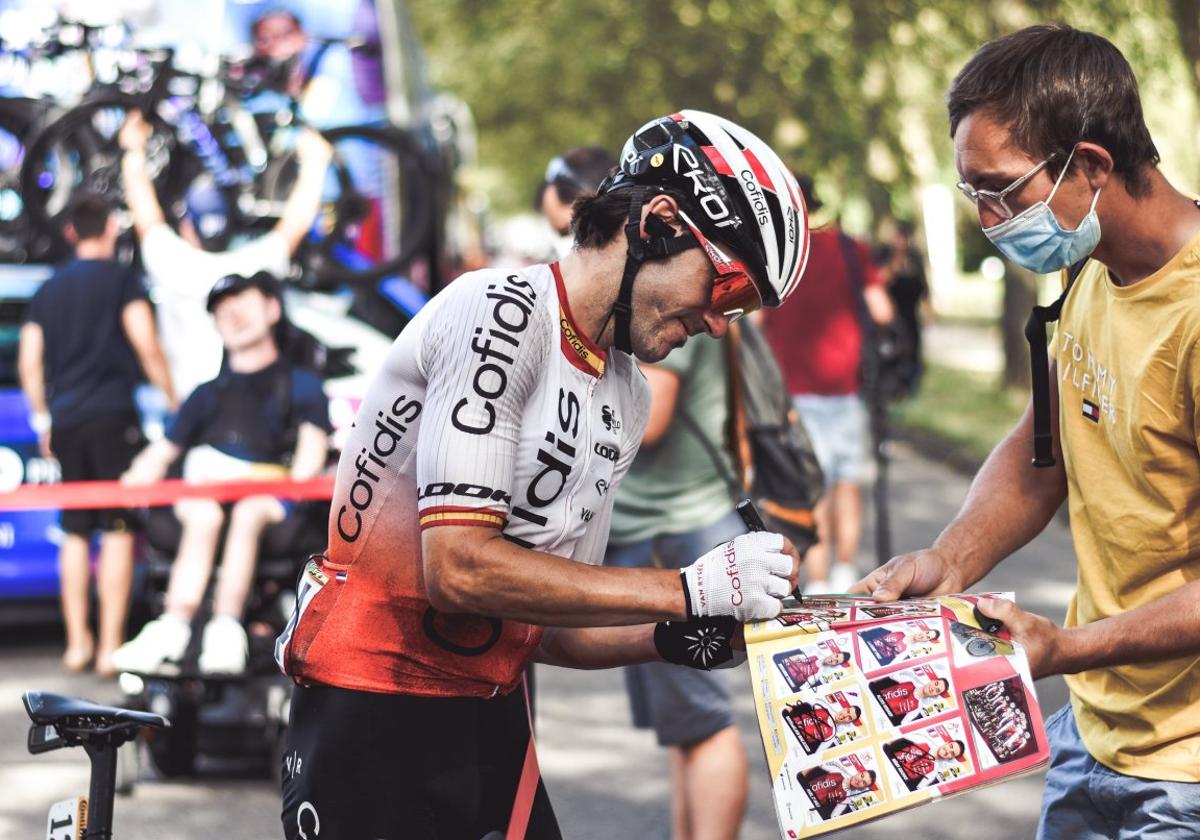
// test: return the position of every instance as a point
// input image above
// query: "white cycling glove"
(746, 578)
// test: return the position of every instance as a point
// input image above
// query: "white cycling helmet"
(740, 195)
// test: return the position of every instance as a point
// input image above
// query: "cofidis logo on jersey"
(512, 306)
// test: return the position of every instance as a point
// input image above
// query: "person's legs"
(847, 507)
(201, 520)
(691, 712)
(74, 577)
(850, 444)
(247, 521)
(114, 584)
(715, 764)
(162, 643)
(820, 423)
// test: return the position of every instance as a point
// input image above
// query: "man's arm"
(597, 647)
(312, 452)
(32, 373)
(1009, 503)
(879, 304)
(302, 205)
(137, 318)
(1162, 629)
(139, 189)
(150, 465)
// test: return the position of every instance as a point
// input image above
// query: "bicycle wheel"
(377, 210)
(79, 152)
(20, 121)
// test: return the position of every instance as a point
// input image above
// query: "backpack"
(774, 461)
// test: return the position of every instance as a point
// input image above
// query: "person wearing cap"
(572, 175)
(88, 338)
(183, 266)
(262, 418)
(818, 339)
(474, 494)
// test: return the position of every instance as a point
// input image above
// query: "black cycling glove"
(703, 643)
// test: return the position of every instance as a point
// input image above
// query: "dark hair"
(962, 748)
(576, 173)
(937, 634)
(596, 219)
(88, 214)
(857, 711)
(272, 13)
(1053, 86)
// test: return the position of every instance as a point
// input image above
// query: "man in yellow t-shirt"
(1053, 150)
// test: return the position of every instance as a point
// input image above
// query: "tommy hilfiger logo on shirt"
(1091, 411)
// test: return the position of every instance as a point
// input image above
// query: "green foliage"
(851, 90)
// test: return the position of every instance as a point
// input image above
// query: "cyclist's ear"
(665, 210)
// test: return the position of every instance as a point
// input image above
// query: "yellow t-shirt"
(1129, 398)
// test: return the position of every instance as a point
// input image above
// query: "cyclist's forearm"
(597, 647)
(483, 573)
(139, 193)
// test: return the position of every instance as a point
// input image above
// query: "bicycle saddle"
(47, 709)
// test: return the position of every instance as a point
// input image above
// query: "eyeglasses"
(734, 292)
(993, 200)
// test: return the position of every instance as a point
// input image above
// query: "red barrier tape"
(74, 495)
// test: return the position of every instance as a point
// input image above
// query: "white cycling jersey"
(492, 409)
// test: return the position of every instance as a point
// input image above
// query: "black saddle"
(70, 714)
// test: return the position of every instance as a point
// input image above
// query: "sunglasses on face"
(733, 291)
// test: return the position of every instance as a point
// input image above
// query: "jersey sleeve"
(483, 351)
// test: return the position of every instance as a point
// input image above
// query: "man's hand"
(135, 133)
(925, 572)
(702, 643)
(1041, 637)
(746, 578)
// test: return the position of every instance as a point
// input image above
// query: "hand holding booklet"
(867, 708)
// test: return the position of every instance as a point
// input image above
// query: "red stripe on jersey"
(580, 350)
(461, 515)
(717, 160)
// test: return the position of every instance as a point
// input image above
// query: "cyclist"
(483, 462)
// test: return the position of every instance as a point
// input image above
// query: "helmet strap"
(663, 243)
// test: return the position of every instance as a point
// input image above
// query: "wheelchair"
(224, 725)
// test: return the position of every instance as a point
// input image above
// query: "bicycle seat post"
(103, 787)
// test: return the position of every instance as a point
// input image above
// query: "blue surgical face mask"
(1034, 239)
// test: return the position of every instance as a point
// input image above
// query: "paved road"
(607, 780)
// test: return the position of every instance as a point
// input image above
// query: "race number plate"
(67, 819)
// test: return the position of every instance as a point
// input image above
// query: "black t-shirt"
(252, 416)
(90, 366)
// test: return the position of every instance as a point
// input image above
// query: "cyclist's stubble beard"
(669, 302)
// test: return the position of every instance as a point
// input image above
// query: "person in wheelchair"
(263, 417)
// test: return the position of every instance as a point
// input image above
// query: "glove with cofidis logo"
(745, 578)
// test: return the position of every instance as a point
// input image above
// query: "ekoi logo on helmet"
(710, 195)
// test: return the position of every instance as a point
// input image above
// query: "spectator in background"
(903, 268)
(261, 418)
(88, 338)
(278, 35)
(183, 267)
(819, 339)
(572, 175)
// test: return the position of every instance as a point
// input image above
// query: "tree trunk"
(1020, 296)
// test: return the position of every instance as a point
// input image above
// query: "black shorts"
(98, 451)
(366, 766)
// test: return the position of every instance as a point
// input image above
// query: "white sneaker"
(224, 647)
(841, 577)
(157, 649)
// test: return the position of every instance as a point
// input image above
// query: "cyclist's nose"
(716, 324)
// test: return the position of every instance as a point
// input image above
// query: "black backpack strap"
(1039, 361)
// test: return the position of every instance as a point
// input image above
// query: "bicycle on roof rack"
(206, 138)
(60, 721)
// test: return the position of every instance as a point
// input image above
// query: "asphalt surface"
(606, 779)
